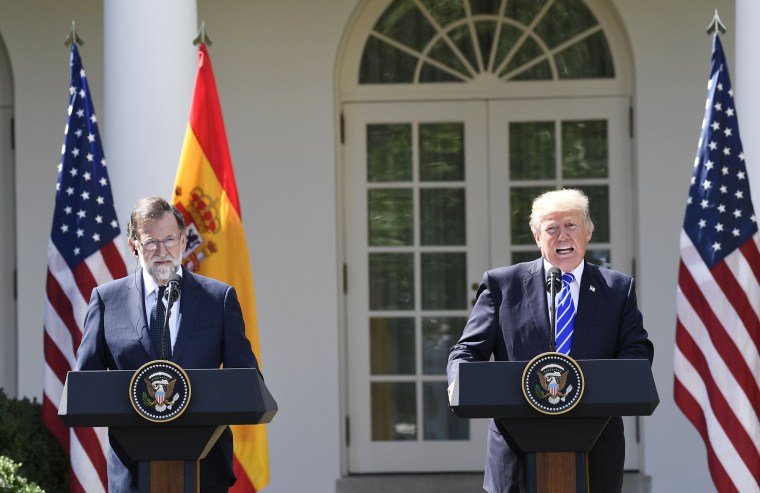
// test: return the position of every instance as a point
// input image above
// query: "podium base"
(557, 472)
(169, 476)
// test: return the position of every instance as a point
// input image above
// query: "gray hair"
(150, 209)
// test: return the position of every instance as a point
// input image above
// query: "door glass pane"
(391, 281)
(389, 217)
(599, 208)
(521, 202)
(394, 411)
(440, 422)
(507, 38)
(389, 152)
(392, 346)
(438, 335)
(460, 36)
(444, 12)
(404, 22)
(525, 256)
(444, 281)
(441, 152)
(485, 7)
(565, 19)
(600, 257)
(385, 64)
(539, 71)
(532, 151)
(527, 53)
(485, 31)
(588, 59)
(443, 53)
(442, 216)
(584, 149)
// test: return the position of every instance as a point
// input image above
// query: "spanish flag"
(205, 192)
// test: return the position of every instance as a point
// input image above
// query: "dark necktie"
(565, 316)
(157, 314)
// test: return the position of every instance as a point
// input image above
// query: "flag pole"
(73, 37)
(202, 36)
(716, 25)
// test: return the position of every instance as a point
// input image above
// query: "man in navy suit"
(206, 329)
(510, 321)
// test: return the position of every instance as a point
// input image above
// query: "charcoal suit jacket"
(210, 333)
(510, 320)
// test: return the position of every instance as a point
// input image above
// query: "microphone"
(553, 285)
(173, 288)
(554, 280)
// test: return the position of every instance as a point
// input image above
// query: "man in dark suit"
(206, 329)
(510, 321)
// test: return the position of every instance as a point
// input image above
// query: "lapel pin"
(592, 288)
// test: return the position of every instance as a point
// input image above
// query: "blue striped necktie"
(565, 316)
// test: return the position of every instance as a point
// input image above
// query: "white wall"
(672, 62)
(275, 66)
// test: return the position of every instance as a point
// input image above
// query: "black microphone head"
(174, 287)
(554, 279)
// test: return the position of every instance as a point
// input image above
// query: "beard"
(161, 272)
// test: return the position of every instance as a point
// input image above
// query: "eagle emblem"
(553, 382)
(159, 391)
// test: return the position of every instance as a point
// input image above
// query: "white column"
(746, 73)
(150, 64)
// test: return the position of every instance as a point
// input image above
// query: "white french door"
(417, 229)
(435, 194)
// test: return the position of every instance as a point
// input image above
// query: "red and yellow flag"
(205, 192)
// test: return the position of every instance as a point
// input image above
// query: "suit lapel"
(189, 306)
(589, 297)
(135, 296)
(534, 287)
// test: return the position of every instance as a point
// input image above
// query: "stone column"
(150, 64)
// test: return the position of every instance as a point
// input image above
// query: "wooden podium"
(220, 397)
(556, 446)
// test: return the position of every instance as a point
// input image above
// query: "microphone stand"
(171, 294)
(553, 284)
(552, 317)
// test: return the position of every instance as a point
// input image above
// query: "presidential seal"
(552, 383)
(159, 391)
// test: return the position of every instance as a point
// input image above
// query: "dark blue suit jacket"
(211, 333)
(510, 321)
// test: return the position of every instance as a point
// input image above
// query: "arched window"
(430, 41)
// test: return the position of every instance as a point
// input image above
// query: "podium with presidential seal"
(555, 408)
(164, 417)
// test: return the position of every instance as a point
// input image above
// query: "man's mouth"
(563, 251)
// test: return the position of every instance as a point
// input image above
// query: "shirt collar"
(577, 272)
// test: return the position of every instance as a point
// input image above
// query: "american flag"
(718, 299)
(84, 251)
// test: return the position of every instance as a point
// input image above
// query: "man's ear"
(133, 247)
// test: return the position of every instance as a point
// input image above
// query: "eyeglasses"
(152, 245)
